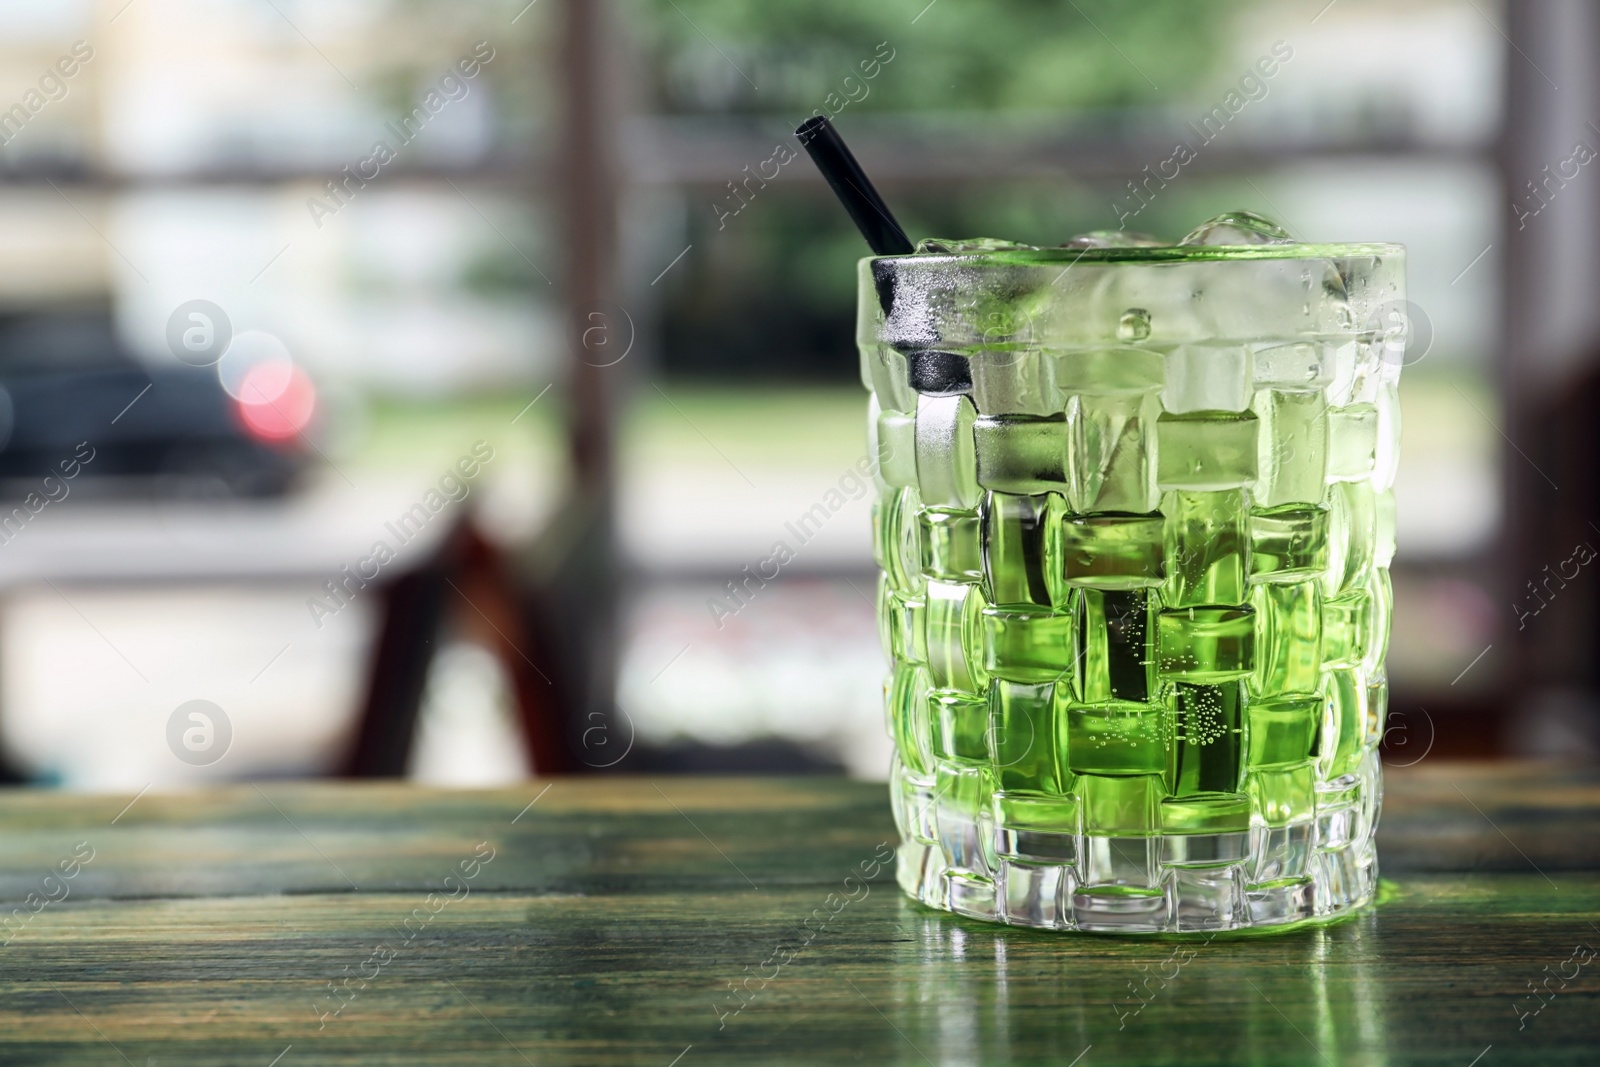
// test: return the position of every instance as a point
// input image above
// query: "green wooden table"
(608, 921)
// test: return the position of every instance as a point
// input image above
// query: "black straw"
(849, 183)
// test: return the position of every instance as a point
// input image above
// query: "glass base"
(1183, 901)
(1141, 885)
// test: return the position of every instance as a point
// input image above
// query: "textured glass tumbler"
(1135, 520)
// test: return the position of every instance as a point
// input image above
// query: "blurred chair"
(470, 582)
(201, 591)
(550, 606)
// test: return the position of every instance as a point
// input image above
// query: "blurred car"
(66, 379)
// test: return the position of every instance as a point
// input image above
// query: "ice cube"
(1237, 228)
(1134, 325)
(1113, 239)
(965, 245)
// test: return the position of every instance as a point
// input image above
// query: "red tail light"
(276, 401)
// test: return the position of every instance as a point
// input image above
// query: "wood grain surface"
(694, 921)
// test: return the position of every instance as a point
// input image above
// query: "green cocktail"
(1135, 523)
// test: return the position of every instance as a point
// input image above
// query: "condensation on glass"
(1135, 521)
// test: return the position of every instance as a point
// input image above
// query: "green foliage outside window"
(958, 55)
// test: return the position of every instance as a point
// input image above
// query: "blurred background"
(407, 382)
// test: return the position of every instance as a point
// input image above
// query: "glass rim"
(1026, 257)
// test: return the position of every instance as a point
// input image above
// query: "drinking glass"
(1134, 521)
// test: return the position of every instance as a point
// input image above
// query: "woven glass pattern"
(1134, 521)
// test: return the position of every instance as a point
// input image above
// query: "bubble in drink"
(1134, 325)
(1237, 228)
